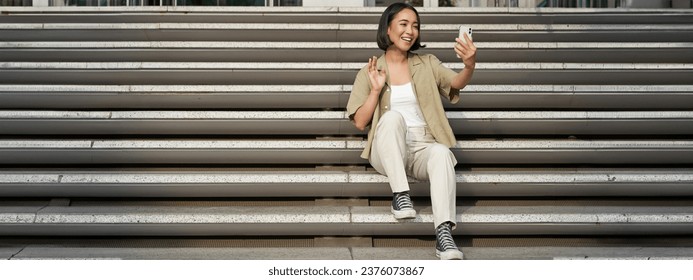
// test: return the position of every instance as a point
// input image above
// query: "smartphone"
(464, 29)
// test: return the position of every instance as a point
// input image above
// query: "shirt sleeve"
(359, 93)
(444, 77)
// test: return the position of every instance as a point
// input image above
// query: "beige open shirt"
(430, 80)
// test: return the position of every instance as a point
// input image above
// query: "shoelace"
(444, 237)
(402, 201)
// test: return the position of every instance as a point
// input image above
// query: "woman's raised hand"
(376, 76)
(466, 52)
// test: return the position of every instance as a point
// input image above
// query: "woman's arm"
(377, 79)
(467, 52)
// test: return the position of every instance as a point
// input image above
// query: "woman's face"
(403, 30)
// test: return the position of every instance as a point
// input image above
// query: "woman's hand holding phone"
(464, 47)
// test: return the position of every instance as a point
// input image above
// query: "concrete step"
(334, 151)
(339, 221)
(187, 122)
(34, 252)
(500, 96)
(227, 14)
(315, 32)
(336, 122)
(571, 122)
(234, 51)
(640, 97)
(95, 151)
(521, 253)
(206, 151)
(371, 248)
(81, 253)
(174, 96)
(281, 183)
(243, 73)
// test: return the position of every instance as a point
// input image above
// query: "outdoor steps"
(80, 252)
(30, 122)
(283, 183)
(334, 151)
(191, 123)
(509, 96)
(172, 31)
(180, 220)
(253, 51)
(317, 73)
(363, 15)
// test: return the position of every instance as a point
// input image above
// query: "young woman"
(398, 97)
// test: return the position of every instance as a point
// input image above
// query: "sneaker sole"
(449, 255)
(403, 214)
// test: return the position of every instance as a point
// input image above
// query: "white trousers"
(399, 151)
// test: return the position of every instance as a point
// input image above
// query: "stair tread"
(322, 177)
(131, 45)
(341, 26)
(340, 215)
(306, 66)
(328, 115)
(475, 89)
(337, 143)
(356, 253)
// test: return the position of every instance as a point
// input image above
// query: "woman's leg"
(435, 162)
(389, 151)
(388, 156)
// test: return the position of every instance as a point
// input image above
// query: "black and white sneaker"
(402, 207)
(445, 245)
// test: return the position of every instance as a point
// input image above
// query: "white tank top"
(403, 100)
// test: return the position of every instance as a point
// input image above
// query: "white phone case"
(464, 29)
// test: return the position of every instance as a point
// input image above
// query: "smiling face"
(403, 30)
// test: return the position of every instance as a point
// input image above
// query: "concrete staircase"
(220, 133)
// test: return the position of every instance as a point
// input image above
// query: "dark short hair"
(386, 18)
